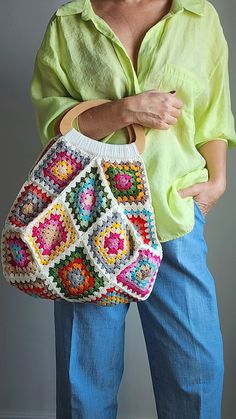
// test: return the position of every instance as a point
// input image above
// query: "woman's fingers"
(170, 120)
(174, 112)
(177, 103)
(156, 109)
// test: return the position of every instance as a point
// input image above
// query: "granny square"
(76, 276)
(52, 234)
(30, 202)
(17, 257)
(59, 167)
(140, 274)
(111, 242)
(88, 199)
(125, 180)
(142, 219)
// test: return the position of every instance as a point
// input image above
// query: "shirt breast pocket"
(186, 83)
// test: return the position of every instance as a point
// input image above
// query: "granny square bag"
(82, 226)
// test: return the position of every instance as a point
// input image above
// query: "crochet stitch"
(30, 203)
(82, 227)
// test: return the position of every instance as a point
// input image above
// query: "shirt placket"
(149, 43)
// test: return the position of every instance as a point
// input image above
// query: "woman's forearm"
(101, 120)
(151, 108)
(215, 154)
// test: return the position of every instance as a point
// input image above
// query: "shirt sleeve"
(48, 93)
(213, 117)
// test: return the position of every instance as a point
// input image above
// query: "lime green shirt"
(81, 58)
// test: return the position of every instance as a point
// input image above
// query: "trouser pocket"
(199, 210)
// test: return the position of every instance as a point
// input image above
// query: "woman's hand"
(154, 109)
(206, 194)
(151, 109)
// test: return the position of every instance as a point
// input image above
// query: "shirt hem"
(168, 238)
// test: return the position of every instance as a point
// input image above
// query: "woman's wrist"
(101, 120)
(126, 110)
(121, 111)
(219, 184)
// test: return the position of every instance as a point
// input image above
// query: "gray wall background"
(27, 359)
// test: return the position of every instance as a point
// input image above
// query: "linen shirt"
(81, 58)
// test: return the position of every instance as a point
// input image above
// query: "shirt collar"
(194, 6)
(84, 7)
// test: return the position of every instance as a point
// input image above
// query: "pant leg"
(182, 331)
(89, 342)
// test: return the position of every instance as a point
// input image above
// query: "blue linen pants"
(182, 334)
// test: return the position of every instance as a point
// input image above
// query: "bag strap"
(134, 130)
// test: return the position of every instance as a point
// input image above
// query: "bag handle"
(133, 129)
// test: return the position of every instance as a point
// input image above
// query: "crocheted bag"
(82, 227)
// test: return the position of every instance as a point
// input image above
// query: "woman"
(164, 64)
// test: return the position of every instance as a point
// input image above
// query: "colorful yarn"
(88, 199)
(36, 289)
(60, 166)
(76, 275)
(31, 202)
(142, 219)
(114, 296)
(18, 256)
(140, 274)
(126, 181)
(52, 234)
(112, 242)
(82, 228)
